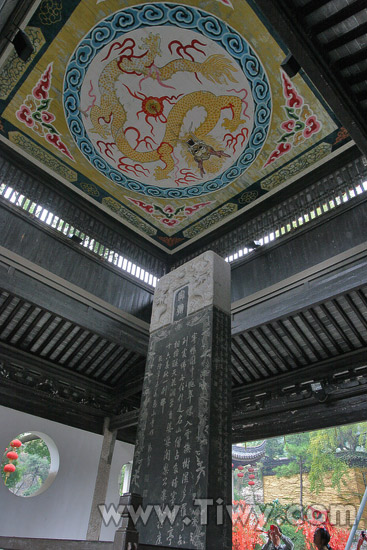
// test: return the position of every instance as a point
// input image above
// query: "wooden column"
(103, 475)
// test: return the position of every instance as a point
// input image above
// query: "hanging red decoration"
(12, 455)
(240, 467)
(251, 469)
(251, 483)
(240, 474)
(232, 465)
(251, 476)
(8, 469)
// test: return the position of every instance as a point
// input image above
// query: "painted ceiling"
(173, 116)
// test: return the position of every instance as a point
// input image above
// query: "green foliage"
(297, 449)
(275, 447)
(324, 447)
(320, 452)
(37, 447)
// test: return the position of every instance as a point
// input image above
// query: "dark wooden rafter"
(333, 321)
(131, 371)
(265, 352)
(323, 328)
(350, 60)
(104, 374)
(68, 355)
(31, 326)
(339, 16)
(238, 354)
(62, 338)
(21, 322)
(346, 318)
(314, 333)
(86, 352)
(260, 362)
(54, 332)
(122, 370)
(281, 324)
(300, 37)
(311, 6)
(304, 337)
(13, 313)
(50, 318)
(251, 369)
(357, 312)
(6, 303)
(283, 360)
(345, 38)
(91, 363)
(356, 78)
(362, 296)
(283, 344)
(237, 378)
(106, 361)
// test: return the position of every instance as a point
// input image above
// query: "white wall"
(63, 510)
(123, 453)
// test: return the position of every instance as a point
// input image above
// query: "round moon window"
(29, 464)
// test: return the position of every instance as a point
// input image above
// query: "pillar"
(103, 475)
(182, 462)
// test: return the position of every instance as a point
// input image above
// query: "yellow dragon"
(216, 68)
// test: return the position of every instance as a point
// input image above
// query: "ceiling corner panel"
(173, 117)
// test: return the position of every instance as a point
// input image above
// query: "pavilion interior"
(135, 137)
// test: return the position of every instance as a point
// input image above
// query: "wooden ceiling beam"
(21, 322)
(339, 16)
(357, 32)
(311, 6)
(350, 60)
(303, 47)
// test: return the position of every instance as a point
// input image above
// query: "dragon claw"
(103, 132)
(232, 125)
(160, 173)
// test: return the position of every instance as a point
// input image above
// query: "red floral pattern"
(34, 113)
(300, 125)
(169, 215)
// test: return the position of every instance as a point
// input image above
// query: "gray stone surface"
(183, 446)
(208, 280)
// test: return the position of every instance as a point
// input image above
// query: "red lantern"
(251, 483)
(15, 443)
(232, 465)
(240, 474)
(251, 476)
(251, 469)
(8, 469)
(240, 467)
(12, 455)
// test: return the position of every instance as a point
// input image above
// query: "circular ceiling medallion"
(167, 100)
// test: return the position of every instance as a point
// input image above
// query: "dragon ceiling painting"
(174, 116)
